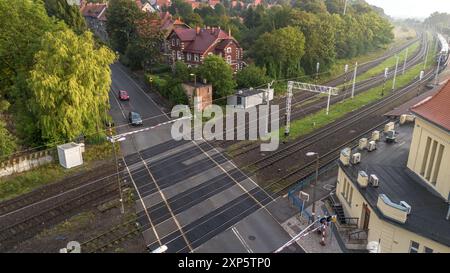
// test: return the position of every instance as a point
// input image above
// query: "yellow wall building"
(408, 210)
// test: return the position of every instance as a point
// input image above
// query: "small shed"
(249, 98)
(70, 154)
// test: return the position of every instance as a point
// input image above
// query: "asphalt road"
(190, 196)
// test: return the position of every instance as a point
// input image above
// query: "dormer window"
(228, 49)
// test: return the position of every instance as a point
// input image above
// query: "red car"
(123, 95)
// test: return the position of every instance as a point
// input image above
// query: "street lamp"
(113, 142)
(309, 154)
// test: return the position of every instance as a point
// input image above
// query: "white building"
(249, 98)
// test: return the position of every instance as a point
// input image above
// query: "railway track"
(29, 226)
(244, 149)
(283, 183)
(304, 98)
(112, 237)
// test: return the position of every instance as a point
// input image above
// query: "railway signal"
(406, 58)
(345, 81)
(386, 72)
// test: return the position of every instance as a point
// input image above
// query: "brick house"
(192, 46)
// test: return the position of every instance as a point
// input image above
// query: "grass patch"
(390, 62)
(319, 119)
(21, 183)
(70, 225)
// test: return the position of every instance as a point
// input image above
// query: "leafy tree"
(144, 49)
(69, 14)
(180, 8)
(193, 20)
(22, 25)
(280, 51)
(218, 73)
(181, 72)
(7, 141)
(70, 81)
(122, 16)
(314, 6)
(251, 76)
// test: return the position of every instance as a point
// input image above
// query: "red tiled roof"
(163, 3)
(199, 43)
(94, 10)
(437, 108)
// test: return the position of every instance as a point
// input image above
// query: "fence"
(293, 193)
(27, 162)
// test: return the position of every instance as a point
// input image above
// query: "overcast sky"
(411, 8)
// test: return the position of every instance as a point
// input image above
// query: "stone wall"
(25, 163)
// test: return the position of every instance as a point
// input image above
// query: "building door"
(239, 100)
(366, 217)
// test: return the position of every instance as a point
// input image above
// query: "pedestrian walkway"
(311, 242)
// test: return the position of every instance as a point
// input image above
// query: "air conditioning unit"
(390, 136)
(406, 118)
(356, 158)
(389, 126)
(372, 146)
(375, 135)
(363, 179)
(345, 156)
(406, 205)
(374, 180)
(362, 144)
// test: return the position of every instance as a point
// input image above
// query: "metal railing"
(358, 234)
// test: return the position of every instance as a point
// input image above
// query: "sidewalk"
(311, 242)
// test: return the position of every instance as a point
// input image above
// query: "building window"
(425, 157)
(427, 250)
(239, 100)
(188, 56)
(229, 59)
(228, 49)
(178, 42)
(431, 161)
(196, 58)
(173, 41)
(179, 55)
(438, 164)
(414, 247)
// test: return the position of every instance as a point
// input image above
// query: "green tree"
(70, 81)
(180, 8)
(280, 51)
(193, 20)
(314, 6)
(252, 76)
(7, 141)
(22, 25)
(144, 50)
(122, 16)
(181, 72)
(218, 73)
(69, 14)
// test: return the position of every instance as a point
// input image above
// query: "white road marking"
(143, 205)
(241, 239)
(134, 82)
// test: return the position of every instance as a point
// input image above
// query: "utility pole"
(354, 79)
(395, 74)
(345, 81)
(426, 56)
(288, 108)
(386, 71)
(317, 71)
(406, 58)
(113, 143)
(436, 81)
(314, 185)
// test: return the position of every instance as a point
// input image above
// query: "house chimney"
(197, 30)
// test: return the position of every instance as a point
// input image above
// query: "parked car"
(123, 95)
(135, 118)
